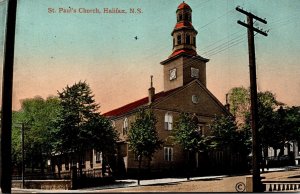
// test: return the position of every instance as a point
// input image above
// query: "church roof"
(136, 104)
(183, 24)
(185, 51)
(183, 5)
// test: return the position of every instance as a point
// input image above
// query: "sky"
(54, 50)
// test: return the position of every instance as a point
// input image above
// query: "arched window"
(188, 39)
(125, 126)
(186, 16)
(168, 154)
(180, 17)
(168, 121)
(179, 39)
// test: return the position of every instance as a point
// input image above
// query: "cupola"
(184, 34)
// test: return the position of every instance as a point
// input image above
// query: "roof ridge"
(137, 103)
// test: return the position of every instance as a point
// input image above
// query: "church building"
(185, 91)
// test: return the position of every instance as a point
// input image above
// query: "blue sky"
(56, 49)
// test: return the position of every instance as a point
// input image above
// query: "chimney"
(151, 92)
(227, 105)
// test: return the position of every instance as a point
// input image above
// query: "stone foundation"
(43, 184)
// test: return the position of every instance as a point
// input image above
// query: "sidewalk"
(131, 183)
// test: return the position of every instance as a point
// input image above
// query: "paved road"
(223, 183)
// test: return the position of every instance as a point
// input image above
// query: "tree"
(239, 100)
(143, 138)
(38, 116)
(288, 121)
(275, 125)
(80, 126)
(226, 135)
(269, 133)
(234, 142)
(187, 134)
(102, 137)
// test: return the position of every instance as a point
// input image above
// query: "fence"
(64, 180)
(281, 185)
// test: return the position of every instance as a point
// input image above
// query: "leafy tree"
(226, 135)
(239, 100)
(276, 125)
(142, 136)
(186, 133)
(16, 152)
(38, 116)
(102, 137)
(81, 127)
(288, 121)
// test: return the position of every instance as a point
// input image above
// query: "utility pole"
(23, 164)
(7, 84)
(256, 151)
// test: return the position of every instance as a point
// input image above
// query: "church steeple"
(184, 64)
(184, 34)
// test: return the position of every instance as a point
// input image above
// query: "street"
(224, 183)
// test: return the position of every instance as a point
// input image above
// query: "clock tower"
(184, 64)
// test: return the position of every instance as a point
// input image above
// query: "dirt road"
(225, 184)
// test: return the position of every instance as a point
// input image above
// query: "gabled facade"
(184, 91)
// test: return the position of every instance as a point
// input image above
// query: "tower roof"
(183, 5)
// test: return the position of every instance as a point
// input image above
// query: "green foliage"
(102, 136)
(38, 116)
(276, 125)
(80, 125)
(226, 135)
(78, 108)
(239, 100)
(16, 140)
(187, 134)
(142, 136)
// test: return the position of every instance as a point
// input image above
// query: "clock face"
(194, 72)
(172, 74)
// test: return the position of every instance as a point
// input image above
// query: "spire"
(184, 33)
(151, 91)
(151, 77)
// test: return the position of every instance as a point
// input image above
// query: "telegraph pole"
(256, 151)
(7, 84)
(23, 163)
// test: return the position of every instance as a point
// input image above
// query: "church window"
(168, 153)
(194, 41)
(168, 121)
(188, 39)
(179, 39)
(125, 126)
